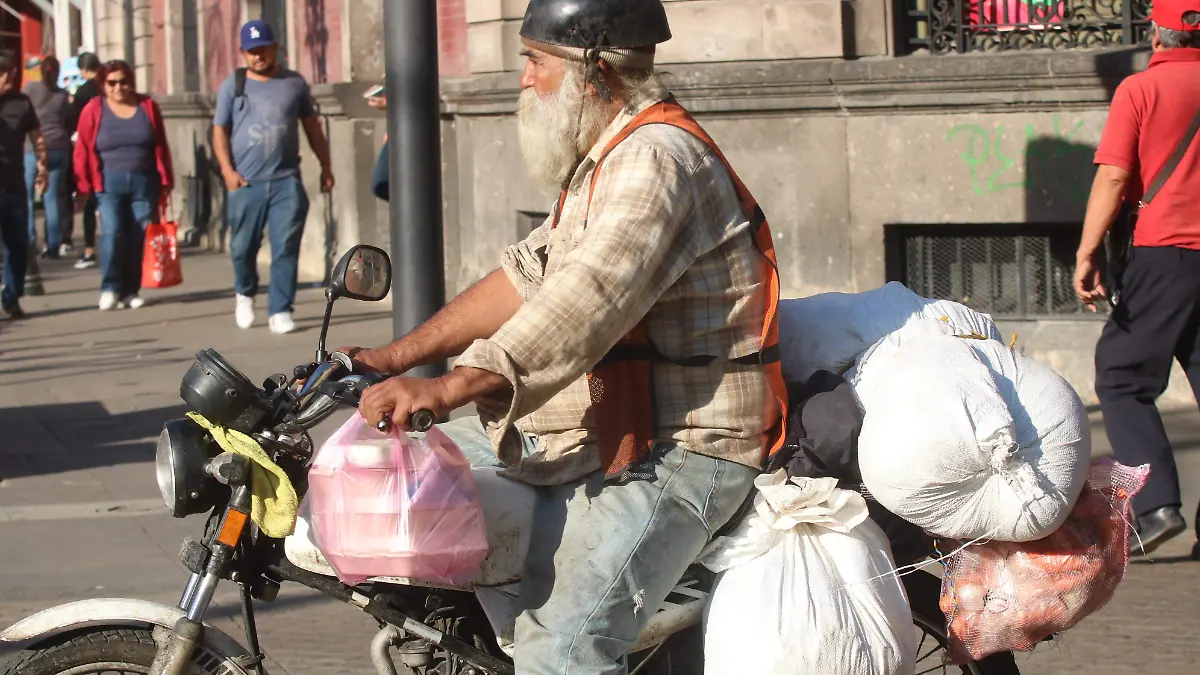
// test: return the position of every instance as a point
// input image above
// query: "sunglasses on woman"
(117, 83)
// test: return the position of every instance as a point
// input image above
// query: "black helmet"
(589, 24)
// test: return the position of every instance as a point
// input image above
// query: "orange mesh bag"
(1007, 596)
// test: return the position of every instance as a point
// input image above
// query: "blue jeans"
(128, 203)
(15, 234)
(280, 207)
(55, 199)
(603, 556)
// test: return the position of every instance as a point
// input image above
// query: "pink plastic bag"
(395, 506)
(1001, 596)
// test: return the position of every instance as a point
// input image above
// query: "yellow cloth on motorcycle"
(273, 500)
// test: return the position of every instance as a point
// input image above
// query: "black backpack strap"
(1164, 174)
(239, 83)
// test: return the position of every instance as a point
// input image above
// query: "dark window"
(274, 12)
(528, 221)
(191, 46)
(948, 26)
(1008, 271)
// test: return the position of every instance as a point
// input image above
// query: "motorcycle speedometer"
(184, 448)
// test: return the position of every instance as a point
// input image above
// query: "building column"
(362, 40)
(62, 29)
(87, 21)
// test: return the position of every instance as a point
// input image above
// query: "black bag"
(1118, 241)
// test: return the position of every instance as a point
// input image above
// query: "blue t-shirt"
(126, 144)
(265, 135)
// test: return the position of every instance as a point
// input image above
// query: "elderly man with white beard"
(623, 358)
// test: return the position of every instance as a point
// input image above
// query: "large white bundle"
(968, 438)
(806, 585)
(828, 331)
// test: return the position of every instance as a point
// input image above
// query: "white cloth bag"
(968, 438)
(806, 587)
(829, 331)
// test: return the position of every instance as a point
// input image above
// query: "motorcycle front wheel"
(107, 651)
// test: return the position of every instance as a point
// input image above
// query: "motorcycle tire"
(127, 651)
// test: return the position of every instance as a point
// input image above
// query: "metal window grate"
(1008, 276)
(948, 26)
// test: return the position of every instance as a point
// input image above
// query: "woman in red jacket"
(122, 156)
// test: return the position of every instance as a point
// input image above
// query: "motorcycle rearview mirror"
(363, 273)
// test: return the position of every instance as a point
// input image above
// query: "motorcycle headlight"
(184, 448)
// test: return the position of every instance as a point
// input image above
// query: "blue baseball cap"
(256, 33)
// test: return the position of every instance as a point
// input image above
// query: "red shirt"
(1150, 113)
(89, 175)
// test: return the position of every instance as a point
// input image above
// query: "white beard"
(557, 132)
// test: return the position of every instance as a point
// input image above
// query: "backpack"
(239, 87)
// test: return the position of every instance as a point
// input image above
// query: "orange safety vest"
(622, 384)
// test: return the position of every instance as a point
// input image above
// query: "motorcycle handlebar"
(350, 388)
(422, 420)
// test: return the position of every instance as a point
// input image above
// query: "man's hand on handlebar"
(370, 360)
(396, 399)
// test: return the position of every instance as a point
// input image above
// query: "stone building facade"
(944, 144)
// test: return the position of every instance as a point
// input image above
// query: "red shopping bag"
(161, 267)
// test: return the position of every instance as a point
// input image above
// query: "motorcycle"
(431, 629)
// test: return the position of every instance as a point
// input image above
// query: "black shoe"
(1196, 551)
(1154, 529)
(49, 254)
(15, 312)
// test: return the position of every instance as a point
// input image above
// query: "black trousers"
(1156, 323)
(89, 225)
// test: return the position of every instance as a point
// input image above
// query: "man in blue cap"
(256, 141)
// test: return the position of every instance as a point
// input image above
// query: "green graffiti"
(990, 165)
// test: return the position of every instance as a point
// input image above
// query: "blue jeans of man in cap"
(278, 208)
(603, 556)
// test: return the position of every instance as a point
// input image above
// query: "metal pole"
(415, 165)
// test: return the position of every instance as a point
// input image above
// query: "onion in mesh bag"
(968, 439)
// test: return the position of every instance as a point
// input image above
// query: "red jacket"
(89, 175)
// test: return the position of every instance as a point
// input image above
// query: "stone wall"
(837, 152)
(710, 31)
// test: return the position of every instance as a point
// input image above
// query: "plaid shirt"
(665, 239)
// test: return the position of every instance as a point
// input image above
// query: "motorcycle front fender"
(119, 612)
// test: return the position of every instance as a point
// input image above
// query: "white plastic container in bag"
(967, 438)
(828, 331)
(395, 506)
(806, 585)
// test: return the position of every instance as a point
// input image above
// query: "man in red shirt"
(1158, 317)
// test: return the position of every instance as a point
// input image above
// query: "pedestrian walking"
(256, 142)
(18, 122)
(1147, 157)
(122, 157)
(53, 107)
(381, 175)
(89, 67)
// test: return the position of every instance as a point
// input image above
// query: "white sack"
(793, 595)
(968, 438)
(828, 331)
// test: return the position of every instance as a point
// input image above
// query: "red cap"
(1169, 13)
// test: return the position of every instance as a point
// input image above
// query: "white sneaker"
(281, 323)
(245, 312)
(134, 302)
(65, 249)
(108, 300)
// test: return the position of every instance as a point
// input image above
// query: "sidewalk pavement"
(83, 395)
